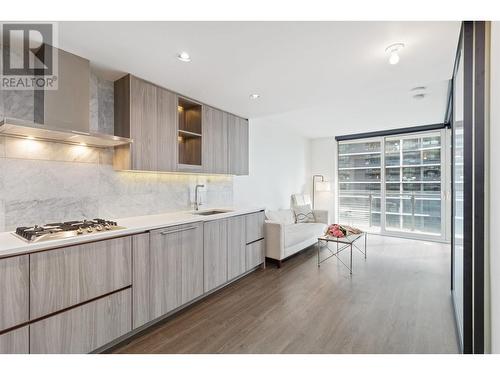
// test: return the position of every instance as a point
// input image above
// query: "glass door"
(458, 196)
(413, 185)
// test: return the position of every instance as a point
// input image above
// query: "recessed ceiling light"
(393, 50)
(419, 88)
(254, 96)
(419, 96)
(184, 56)
(30, 137)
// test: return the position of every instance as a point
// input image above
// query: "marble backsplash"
(42, 182)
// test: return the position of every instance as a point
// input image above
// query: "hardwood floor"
(397, 301)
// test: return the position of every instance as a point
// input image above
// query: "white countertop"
(11, 245)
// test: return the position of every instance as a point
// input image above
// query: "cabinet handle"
(177, 230)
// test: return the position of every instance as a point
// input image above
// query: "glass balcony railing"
(413, 212)
(408, 212)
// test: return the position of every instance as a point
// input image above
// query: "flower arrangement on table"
(339, 231)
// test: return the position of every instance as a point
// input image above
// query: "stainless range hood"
(32, 130)
(60, 115)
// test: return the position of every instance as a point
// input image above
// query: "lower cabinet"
(14, 291)
(255, 239)
(15, 341)
(140, 280)
(84, 297)
(227, 251)
(215, 253)
(65, 277)
(255, 254)
(236, 246)
(255, 226)
(176, 260)
(84, 328)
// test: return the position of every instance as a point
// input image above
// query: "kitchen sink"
(211, 212)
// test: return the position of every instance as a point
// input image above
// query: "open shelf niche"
(189, 133)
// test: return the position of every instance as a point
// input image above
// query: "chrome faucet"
(196, 204)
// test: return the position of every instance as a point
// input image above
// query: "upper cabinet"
(172, 133)
(238, 145)
(215, 140)
(167, 126)
(147, 114)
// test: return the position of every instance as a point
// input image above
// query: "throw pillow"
(304, 214)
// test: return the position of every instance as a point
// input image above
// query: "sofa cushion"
(304, 214)
(296, 233)
(281, 216)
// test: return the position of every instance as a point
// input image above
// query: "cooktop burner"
(66, 229)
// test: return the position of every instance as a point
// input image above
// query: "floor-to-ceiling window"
(359, 177)
(394, 184)
(413, 184)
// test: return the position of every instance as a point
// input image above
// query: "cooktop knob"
(90, 229)
(99, 227)
(79, 231)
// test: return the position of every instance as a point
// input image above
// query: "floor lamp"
(319, 184)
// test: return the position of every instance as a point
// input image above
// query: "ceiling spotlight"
(393, 50)
(254, 96)
(184, 56)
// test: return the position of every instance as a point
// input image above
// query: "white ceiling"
(318, 78)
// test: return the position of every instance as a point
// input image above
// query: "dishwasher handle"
(177, 230)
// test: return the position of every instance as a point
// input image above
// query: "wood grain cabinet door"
(68, 276)
(255, 226)
(167, 130)
(238, 145)
(166, 270)
(176, 259)
(214, 141)
(140, 280)
(85, 328)
(144, 124)
(236, 246)
(192, 263)
(215, 253)
(255, 254)
(14, 291)
(15, 341)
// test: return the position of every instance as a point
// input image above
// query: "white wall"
(323, 162)
(279, 167)
(495, 187)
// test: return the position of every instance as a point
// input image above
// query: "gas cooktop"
(66, 229)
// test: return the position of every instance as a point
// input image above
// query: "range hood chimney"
(62, 115)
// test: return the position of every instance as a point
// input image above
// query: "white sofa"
(285, 237)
